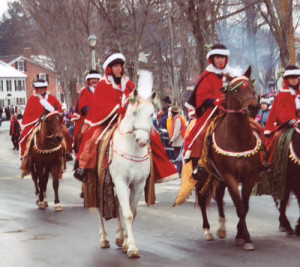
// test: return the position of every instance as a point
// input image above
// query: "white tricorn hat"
(116, 57)
(40, 84)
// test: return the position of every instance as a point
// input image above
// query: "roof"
(9, 58)
(6, 71)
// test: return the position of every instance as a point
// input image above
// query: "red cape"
(283, 110)
(84, 99)
(108, 99)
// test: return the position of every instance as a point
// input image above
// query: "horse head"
(51, 126)
(140, 111)
(241, 95)
(141, 116)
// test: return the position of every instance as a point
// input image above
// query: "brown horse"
(47, 156)
(292, 184)
(234, 157)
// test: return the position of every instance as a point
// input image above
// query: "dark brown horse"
(47, 156)
(292, 184)
(235, 157)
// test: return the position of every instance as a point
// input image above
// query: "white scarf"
(44, 102)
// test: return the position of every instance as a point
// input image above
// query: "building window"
(21, 66)
(23, 85)
(1, 86)
(43, 76)
(8, 86)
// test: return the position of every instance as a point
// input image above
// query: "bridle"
(48, 138)
(234, 90)
(133, 128)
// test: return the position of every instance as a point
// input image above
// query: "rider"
(110, 98)
(82, 107)
(40, 101)
(285, 109)
(206, 96)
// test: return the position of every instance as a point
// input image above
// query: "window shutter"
(47, 77)
(16, 64)
(25, 66)
(37, 76)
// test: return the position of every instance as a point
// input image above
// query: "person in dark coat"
(14, 131)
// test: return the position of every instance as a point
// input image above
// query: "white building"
(12, 86)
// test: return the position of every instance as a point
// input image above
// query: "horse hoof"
(58, 207)
(208, 237)
(290, 232)
(41, 205)
(133, 254)
(46, 204)
(221, 233)
(104, 244)
(119, 242)
(124, 248)
(249, 246)
(240, 241)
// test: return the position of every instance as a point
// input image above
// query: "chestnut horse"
(292, 184)
(47, 156)
(235, 157)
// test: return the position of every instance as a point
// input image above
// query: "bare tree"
(279, 16)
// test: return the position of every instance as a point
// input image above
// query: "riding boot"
(80, 174)
(199, 172)
(69, 157)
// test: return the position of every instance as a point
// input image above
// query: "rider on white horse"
(110, 99)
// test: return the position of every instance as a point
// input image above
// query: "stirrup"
(200, 173)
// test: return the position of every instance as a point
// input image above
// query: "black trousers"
(15, 141)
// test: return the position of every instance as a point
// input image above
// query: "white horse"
(130, 165)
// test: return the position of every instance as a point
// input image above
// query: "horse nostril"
(137, 140)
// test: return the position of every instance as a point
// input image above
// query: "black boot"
(80, 174)
(199, 172)
(69, 157)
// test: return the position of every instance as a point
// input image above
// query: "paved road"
(165, 236)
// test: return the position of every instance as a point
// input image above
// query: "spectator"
(14, 131)
(264, 111)
(1, 111)
(7, 113)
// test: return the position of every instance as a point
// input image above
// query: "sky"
(3, 6)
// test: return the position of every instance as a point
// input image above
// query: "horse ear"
(228, 77)
(135, 93)
(248, 72)
(43, 117)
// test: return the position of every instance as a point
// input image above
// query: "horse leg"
(284, 224)
(123, 196)
(34, 179)
(206, 227)
(55, 183)
(246, 192)
(104, 243)
(220, 190)
(120, 229)
(41, 182)
(296, 189)
(242, 236)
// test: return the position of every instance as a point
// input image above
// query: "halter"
(40, 127)
(244, 154)
(235, 90)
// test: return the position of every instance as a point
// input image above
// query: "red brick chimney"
(27, 52)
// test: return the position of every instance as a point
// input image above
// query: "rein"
(247, 153)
